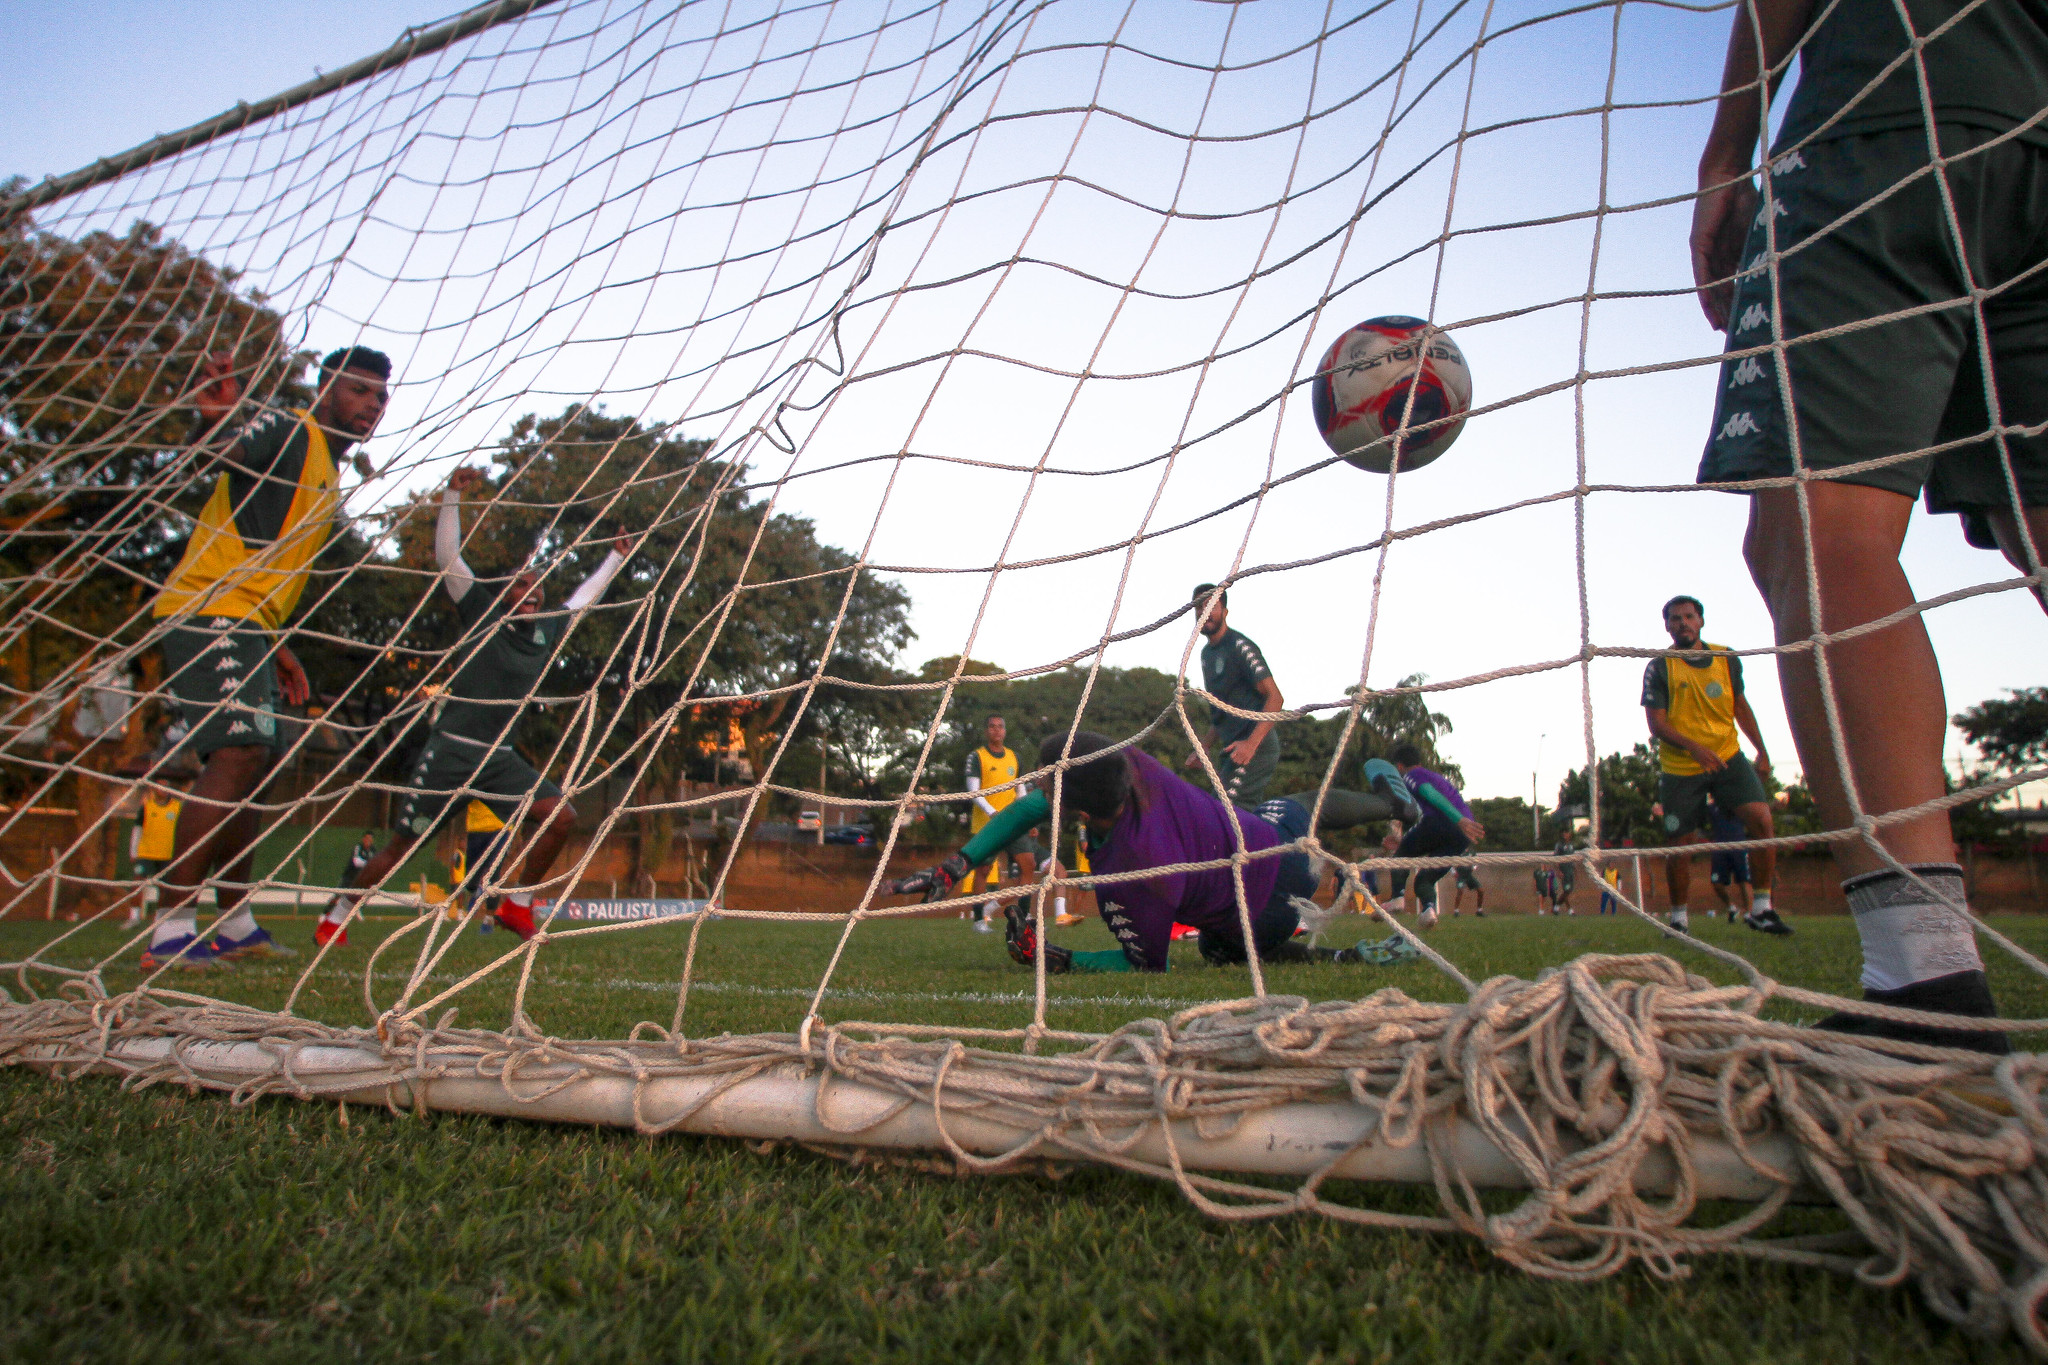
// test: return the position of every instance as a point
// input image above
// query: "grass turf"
(161, 1225)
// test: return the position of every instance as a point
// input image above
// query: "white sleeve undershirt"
(456, 575)
(594, 586)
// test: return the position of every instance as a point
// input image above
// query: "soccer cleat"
(1427, 920)
(1384, 778)
(517, 918)
(1677, 920)
(984, 926)
(1020, 937)
(1767, 922)
(1391, 951)
(1064, 920)
(327, 930)
(258, 944)
(186, 953)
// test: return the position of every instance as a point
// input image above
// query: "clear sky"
(594, 215)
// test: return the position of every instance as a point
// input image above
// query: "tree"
(1628, 791)
(1387, 719)
(2011, 732)
(101, 339)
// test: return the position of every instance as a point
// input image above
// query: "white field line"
(841, 993)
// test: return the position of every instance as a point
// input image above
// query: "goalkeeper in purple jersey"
(1141, 816)
(1446, 829)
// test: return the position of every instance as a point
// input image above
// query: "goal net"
(988, 327)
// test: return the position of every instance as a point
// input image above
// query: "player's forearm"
(1005, 827)
(457, 575)
(1443, 803)
(594, 586)
(1738, 118)
(1746, 718)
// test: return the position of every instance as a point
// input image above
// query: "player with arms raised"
(271, 511)
(508, 641)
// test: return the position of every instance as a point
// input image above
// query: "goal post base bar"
(782, 1103)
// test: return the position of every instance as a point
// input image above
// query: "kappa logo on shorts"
(1752, 316)
(1748, 371)
(1775, 209)
(1741, 424)
(239, 728)
(222, 623)
(225, 663)
(1787, 164)
(228, 686)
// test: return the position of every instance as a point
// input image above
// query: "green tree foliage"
(1309, 747)
(100, 341)
(1628, 790)
(2011, 732)
(1509, 824)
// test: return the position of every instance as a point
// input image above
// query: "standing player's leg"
(1755, 816)
(505, 780)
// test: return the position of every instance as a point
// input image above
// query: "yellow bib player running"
(274, 500)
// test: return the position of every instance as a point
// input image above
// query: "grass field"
(161, 1225)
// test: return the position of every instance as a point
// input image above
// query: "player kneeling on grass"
(1140, 816)
(508, 641)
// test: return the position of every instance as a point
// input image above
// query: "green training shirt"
(1990, 70)
(1232, 669)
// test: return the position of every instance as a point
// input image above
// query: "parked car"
(809, 822)
(860, 836)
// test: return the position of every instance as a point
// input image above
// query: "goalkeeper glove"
(934, 883)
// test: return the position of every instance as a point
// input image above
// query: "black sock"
(1964, 993)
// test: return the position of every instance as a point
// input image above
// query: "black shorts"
(223, 671)
(1728, 869)
(1468, 878)
(1684, 796)
(1890, 392)
(453, 770)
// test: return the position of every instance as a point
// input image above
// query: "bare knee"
(1756, 818)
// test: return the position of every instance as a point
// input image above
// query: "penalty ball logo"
(1387, 383)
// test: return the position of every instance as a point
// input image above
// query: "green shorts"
(1905, 385)
(453, 770)
(224, 674)
(1684, 797)
(1246, 785)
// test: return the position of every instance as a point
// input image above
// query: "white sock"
(1059, 907)
(337, 909)
(237, 924)
(1908, 935)
(1760, 902)
(175, 924)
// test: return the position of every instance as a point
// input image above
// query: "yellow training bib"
(159, 830)
(994, 772)
(480, 820)
(221, 576)
(1702, 709)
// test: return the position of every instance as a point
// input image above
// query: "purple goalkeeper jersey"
(1172, 821)
(1437, 782)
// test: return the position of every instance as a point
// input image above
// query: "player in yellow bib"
(156, 836)
(1694, 702)
(988, 768)
(273, 505)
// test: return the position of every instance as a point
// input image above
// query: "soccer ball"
(1363, 387)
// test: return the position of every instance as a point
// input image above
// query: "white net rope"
(1057, 275)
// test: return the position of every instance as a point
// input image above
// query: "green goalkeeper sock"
(1102, 960)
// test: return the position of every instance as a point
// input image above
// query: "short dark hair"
(993, 715)
(1694, 601)
(1406, 756)
(359, 358)
(1202, 590)
(1099, 788)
